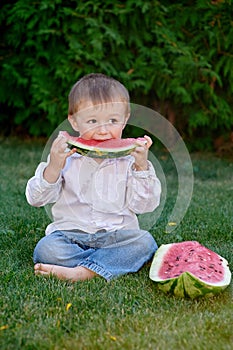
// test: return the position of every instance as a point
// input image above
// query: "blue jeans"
(109, 254)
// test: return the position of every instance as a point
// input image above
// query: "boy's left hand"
(140, 153)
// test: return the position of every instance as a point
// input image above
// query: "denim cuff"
(97, 269)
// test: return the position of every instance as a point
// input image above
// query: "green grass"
(129, 312)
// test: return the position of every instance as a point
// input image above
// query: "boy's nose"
(103, 129)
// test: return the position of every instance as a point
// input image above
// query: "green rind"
(97, 153)
(186, 284)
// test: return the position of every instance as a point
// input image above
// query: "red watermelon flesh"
(110, 148)
(188, 269)
(192, 257)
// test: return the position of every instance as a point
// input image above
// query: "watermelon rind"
(186, 284)
(98, 152)
(101, 149)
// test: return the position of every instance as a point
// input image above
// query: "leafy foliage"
(174, 57)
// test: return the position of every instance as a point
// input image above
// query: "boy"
(95, 230)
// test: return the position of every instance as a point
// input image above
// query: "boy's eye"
(92, 121)
(113, 121)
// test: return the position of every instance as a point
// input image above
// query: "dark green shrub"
(174, 57)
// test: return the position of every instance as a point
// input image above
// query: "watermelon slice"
(112, 148)
(188, 269)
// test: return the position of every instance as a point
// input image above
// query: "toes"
(37, 267)
(41, 273)
(42, 269)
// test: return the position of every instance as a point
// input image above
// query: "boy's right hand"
(58, 157)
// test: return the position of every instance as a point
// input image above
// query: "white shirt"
(91, 196)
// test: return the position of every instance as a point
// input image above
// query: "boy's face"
(100, 122)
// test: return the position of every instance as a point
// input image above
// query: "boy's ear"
(126, 120)
(73, 122)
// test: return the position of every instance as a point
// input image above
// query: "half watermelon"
(112, 148)
(188, 269)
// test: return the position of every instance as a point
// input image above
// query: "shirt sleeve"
(39, 192)
(144, 190)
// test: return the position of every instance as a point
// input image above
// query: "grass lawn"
(129, 312)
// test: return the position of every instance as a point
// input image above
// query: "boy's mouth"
(103, 139)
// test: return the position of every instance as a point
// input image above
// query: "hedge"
(174, 57)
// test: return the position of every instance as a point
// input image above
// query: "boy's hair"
(97, 88)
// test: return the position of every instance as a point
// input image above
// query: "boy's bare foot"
(78, 273)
